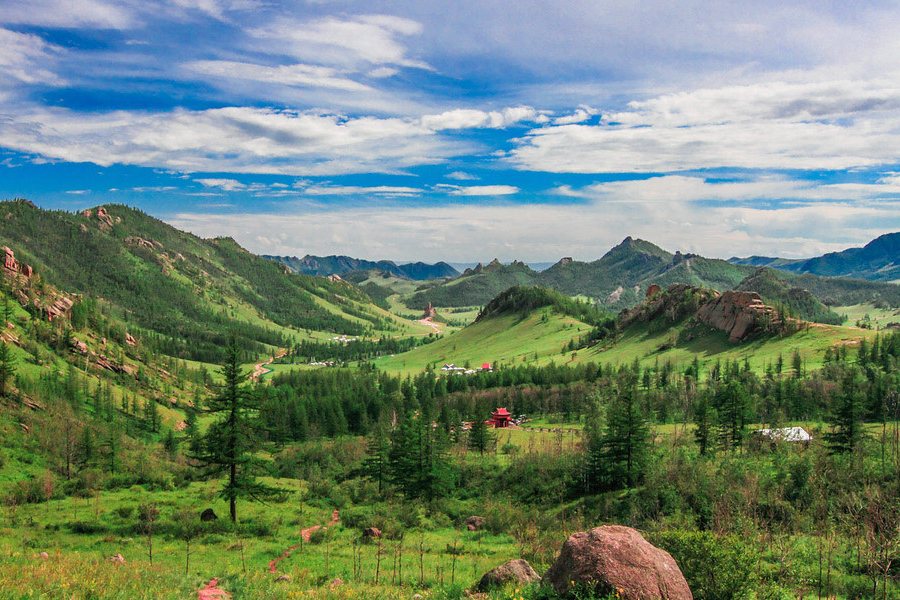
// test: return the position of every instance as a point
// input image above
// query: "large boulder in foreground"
(515, 571)
(614, 558)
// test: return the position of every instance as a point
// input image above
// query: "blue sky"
(462, 131)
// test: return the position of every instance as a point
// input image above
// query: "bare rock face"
(515, 571)
(429, 312)
(474, 523)
(739, 314)
(617, 559)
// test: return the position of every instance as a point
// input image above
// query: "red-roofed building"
(500, 417)
(486, 366)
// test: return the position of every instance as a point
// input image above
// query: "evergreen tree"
(378, 447)
(229, 444)
(732, 406)
(481, 438)
(626, 440)
(417, 462)
(7, 367)
(846, 422)
(705, 419)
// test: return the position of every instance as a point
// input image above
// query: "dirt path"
(260, 369)
(212, 591)
(305, 534)
(435, 327)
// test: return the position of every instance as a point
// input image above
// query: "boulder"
(474, 523)
(284, 578)
(44, 556)
(208, 515)
(118, 559)
(371, 533)
(617, 559)
(515, 571)
(336, 582)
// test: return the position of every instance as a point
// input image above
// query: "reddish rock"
(739, 314)
(653, 290)
(474, 523)
(371, 533)
(429, 312)
(617, 559)
(515, 571)
(129, 339)
(118, 559)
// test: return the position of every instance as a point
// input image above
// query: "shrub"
(715, 567)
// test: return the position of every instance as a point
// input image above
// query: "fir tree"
(378, 447)
(705, 419)
(7, 367)
(481, 438)
(846, 422)
(229, 445)
(626, 440)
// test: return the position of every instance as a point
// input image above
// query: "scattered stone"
(515, 571)
(284, 578)
(617, 559)
(208, 515)
(118, 559)
(474, 523)
(129, 339)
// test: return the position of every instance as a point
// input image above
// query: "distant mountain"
(879, 260)
(623, 275)
(338, 265)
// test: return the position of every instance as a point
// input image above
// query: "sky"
(466, 130)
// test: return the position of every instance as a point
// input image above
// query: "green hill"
(476, 286)
(183, 292)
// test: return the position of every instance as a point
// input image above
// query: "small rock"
(474, 523)
(285, 578)
(417, 597)
(515, 571)
(371, 532)
(336, 582)
(208, 515)
(44, 555)
(118, 559)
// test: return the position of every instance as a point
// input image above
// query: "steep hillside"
(338, 265)
(184, 292)
(879, 260)
(794, 300)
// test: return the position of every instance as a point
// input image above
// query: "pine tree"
(7, 367)
(626, 439)
(731, 404)
(378, 447)
(417, 462)
(481, 438)
(705, 419)
(229, 444)
(846, 422)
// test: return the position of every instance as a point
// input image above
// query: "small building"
(789, 435)
(486, 367)
(500, 418)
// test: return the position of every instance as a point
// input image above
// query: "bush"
(715, 567)
(85, 527)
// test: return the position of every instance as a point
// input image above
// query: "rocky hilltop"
(741, 315)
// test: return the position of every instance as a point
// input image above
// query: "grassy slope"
(507, 338)
(639, 342)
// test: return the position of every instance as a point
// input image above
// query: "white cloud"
(25, 58)
(581, 114)
(481, 190)
(234, 139)
(352, 190)
(290, 75)
(463, 118)
(350, 43)
(69, 13)
(228, 185)
(833, 125)
(462, 176)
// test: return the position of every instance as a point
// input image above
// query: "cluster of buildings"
(451, 368)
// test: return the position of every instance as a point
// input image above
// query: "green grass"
(508, 339)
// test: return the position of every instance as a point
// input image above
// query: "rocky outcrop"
(653, 290)
(475, 523)
(617, 560)
(429, 312)
(515, 571)
(371, 533)
(739, 314)
(150, 244)
(12, 267)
